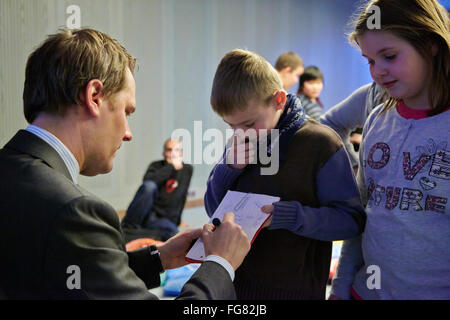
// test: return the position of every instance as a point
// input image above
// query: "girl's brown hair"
(424, 24)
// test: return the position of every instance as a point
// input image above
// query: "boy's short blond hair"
(288, 60)
(243, 76)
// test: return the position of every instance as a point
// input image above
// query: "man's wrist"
(154, 252)
(223, 262)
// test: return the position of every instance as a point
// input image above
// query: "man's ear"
(93, 97)
(280, 99)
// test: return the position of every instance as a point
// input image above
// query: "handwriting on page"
(247, 210)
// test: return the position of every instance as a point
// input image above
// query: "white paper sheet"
(247, 210)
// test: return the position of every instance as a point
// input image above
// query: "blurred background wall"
(178, 44)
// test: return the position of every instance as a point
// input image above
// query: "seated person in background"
(309, 89)
(289, 67)
(158, 204)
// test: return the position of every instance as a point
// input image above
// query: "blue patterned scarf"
(291, 120)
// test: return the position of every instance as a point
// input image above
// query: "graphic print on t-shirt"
(426, 167)
(171, 185)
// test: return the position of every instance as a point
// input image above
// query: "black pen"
(216, 222)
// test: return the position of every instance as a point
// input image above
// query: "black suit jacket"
(48, 225)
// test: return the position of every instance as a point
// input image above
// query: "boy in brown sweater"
(320, 202)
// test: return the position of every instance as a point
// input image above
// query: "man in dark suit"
(59, 241)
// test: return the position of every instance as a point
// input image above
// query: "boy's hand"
(269, 210)
(241, 153)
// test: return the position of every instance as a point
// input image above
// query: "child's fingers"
(250, 156)
(239, 138)
(242, 152)
(268, 222)
(267, 208)
(245, 156)
(245, 146)
(244, 138)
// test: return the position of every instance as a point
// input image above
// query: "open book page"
(247, 210)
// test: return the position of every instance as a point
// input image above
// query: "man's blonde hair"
(243, 76)
(61, 67)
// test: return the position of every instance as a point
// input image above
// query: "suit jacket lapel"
(26, 142)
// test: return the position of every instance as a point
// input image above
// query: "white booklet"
(247, 213)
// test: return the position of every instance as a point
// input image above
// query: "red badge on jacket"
(171, 185)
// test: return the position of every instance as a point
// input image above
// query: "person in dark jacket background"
(156, 209)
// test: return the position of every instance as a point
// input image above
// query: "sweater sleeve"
(350, 261)
(351, 258)
(348, 115)
(340, 215)
(219, 182)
